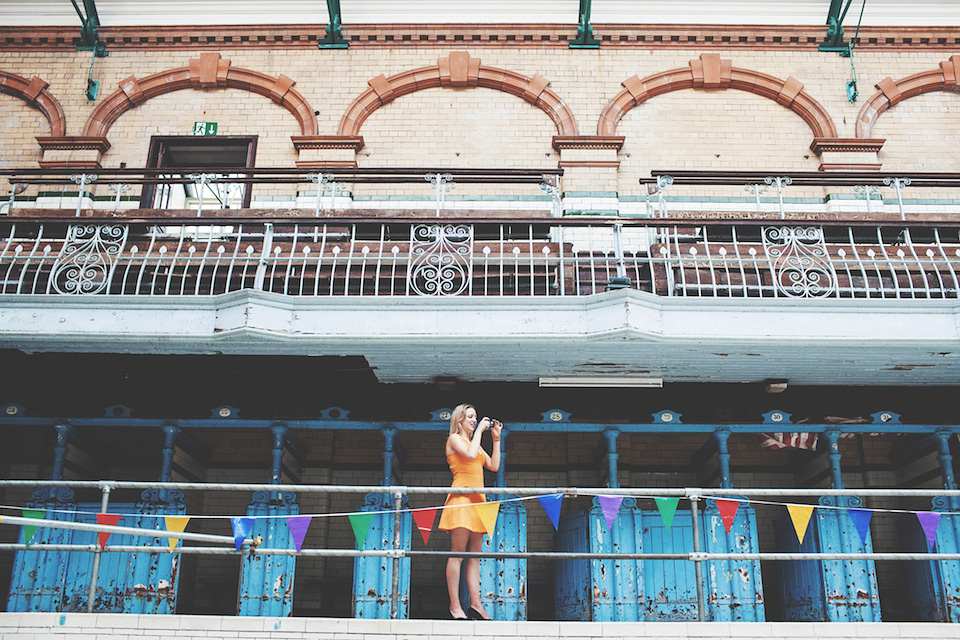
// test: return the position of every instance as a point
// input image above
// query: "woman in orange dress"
(467, 460)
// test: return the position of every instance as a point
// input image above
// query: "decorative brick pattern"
(208, 71)
(34, 92)
(711, 72)
(458, 70)
(890, 92)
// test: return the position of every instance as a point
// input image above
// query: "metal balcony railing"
(306, 257)
(814, 251)
(147, 539)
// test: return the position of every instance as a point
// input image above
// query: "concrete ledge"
(104, 626)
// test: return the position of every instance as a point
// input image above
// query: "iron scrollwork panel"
(440, 259)
(87, 258)
(799, 261)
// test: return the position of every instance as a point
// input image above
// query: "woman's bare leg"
(458, 542)
(473, 574)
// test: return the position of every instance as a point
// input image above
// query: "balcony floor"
(78, 626)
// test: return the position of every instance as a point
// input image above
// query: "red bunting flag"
(424, 520)
(728, 511)
(109, 519)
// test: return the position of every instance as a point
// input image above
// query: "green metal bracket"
(89, 37)
(834, 40)
(334, 36)
(585, 38)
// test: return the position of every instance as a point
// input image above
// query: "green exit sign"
(204, 128)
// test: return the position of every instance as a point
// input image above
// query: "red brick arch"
(458, 71)
(711, 72)
(34, 92)
(944, 78)
(208, 71)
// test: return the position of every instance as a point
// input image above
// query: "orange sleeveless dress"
(466, 473)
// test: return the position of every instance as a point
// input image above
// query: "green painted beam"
(834, 40)
(334, 37)
(89, 37)
(585, 38)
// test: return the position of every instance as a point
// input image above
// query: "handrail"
(804, 178)
(243, 544)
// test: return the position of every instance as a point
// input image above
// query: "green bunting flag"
(361, 527)
(667, 508)
(29, 529)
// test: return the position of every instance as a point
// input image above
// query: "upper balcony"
(709, 275)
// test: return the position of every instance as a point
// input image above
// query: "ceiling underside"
(614, 335)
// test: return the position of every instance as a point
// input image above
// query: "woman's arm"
(493, 461)
(472, 450)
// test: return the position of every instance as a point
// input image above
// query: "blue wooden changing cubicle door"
(828, 590)
(266, 580)
(373, 576)
(933, 586)
(614, 589)
(137, 582)
(733, 588)
(503, 581)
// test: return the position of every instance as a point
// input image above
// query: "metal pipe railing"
(230, 546)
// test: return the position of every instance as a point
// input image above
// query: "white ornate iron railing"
(520, 258)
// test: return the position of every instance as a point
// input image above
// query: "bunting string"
(425, 517)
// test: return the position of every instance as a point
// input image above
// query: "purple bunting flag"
(298, 526)
(610, 505)
(551, 504)
(861, 520)
(241, 530)
(929, 521)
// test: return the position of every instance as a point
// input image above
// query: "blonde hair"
(457, 417)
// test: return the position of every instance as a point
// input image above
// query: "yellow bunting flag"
(800, 515)
(488, 515)
(178, 524)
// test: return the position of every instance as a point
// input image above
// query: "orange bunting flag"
(177, 524)
(728, 511)
(488, 515)
(800, 516)
(109, 519)
(424, 520)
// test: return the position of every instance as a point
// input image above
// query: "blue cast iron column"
(64, 433)
(946, 466)
(723, 457)
(381, 585)
(266, 580)
(613, 478)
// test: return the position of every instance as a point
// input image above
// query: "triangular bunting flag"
(424, 520)
(488, 515)
(29, 529)
(109, 519)
(800, 516)
(361, 527)
(241, 530)
(298, 526)
(551, 504)
(667, 508)
(175, 523)
(610, 506)
(728, 511)
(929, 521)
(861, 520)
